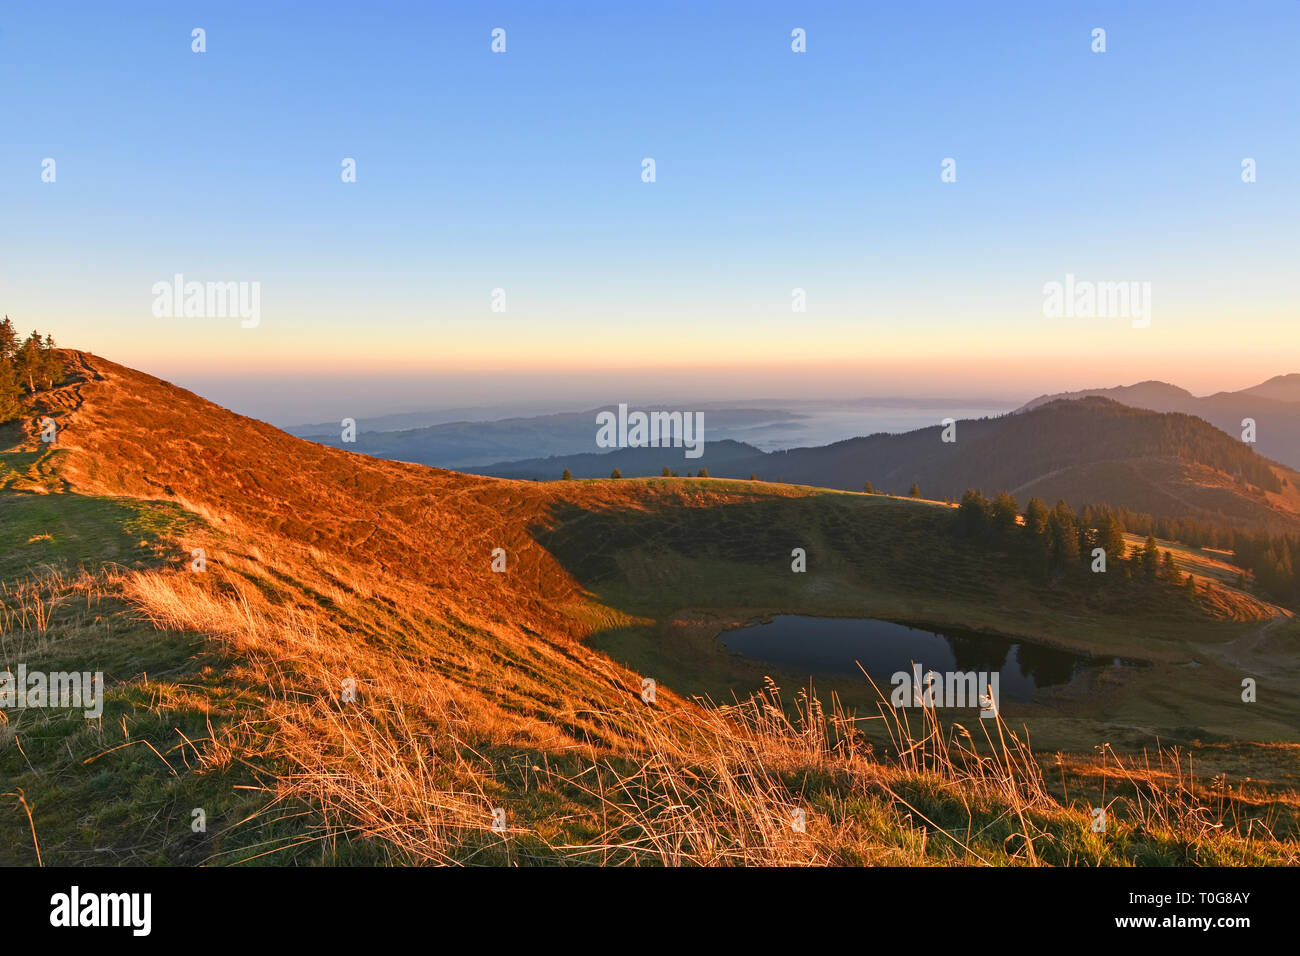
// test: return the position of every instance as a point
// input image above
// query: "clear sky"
(775, 170)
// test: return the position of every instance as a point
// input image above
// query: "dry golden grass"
(415, 766)
(474, 691)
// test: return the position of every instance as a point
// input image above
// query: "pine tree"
(10, 392)
(1036, 516)
(568, 475)
(667, 472)
(28, 363)
(869, 488)
(973, 514)
(1002, 516)
(916, 490)
(704, 473)
(1150, 557)
(1110, 536)
(616, 474)
(1172, 574)
(1063, 535)
(51, 364)
(1034, 543)
(8, 340)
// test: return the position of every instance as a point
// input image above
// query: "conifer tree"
(973, 514)
(8, 340)
(1110, 536)
(1002, 517)
(1063, 535)
(1035, 516)
(28, 363)
(51, 365)
(1150, 558)
(10, 392)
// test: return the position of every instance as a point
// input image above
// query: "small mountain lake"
(832, 645)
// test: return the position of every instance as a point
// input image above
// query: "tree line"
(27, 366)
(1058, 541)
(1273, 561)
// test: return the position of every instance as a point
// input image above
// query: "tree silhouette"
(1150, 558)
(1171, 572)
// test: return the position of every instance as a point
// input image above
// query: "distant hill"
(471, 445)
(1142, 395)
(1274, 405)
(1088, 451)
(406, 421)
(644, 462)
(1281, 388)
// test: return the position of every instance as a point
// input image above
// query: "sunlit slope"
(316, 527)
(138, 436)
(474, 688)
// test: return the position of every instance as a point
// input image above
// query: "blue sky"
(775, 170)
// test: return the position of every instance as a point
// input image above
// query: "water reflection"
(832, 645)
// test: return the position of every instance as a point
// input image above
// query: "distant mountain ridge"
(1273, 405)
(1088, 450)
(1281, 388)
(468, 445)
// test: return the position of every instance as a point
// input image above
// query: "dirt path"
(60, 404)
(1243, 652)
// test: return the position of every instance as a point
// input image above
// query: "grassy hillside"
(228, 690)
